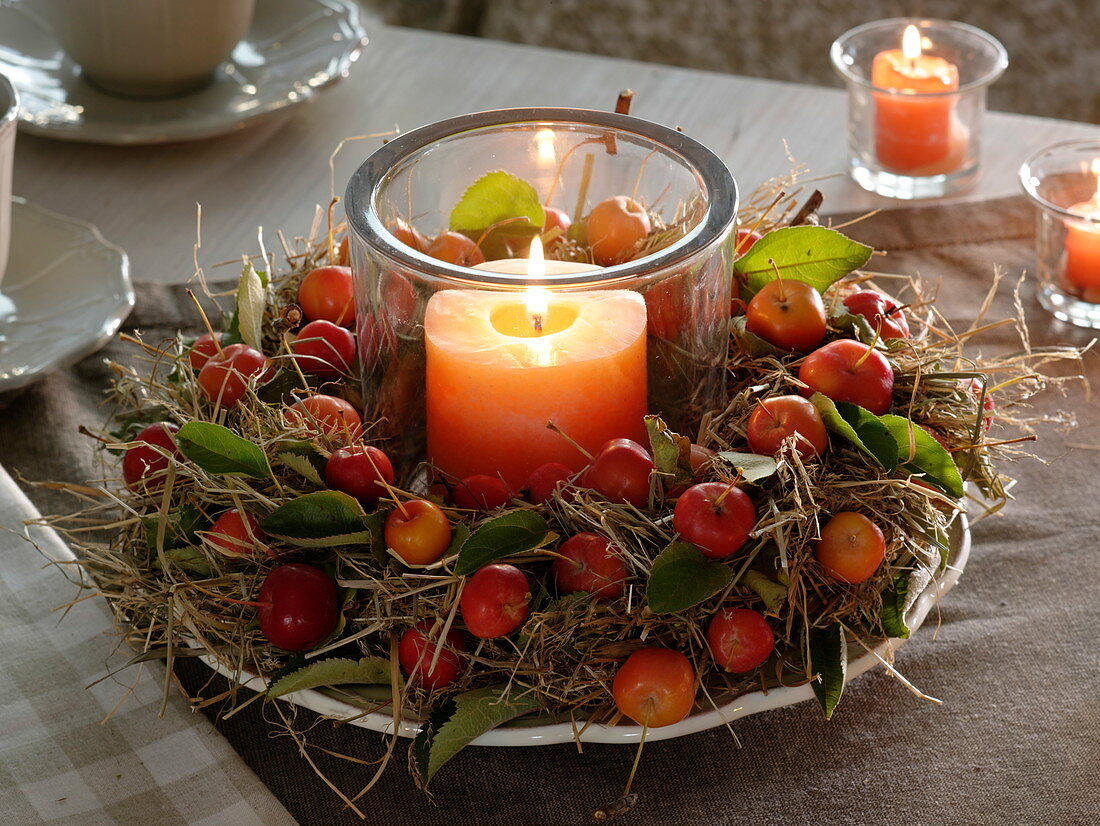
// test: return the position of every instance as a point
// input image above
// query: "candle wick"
(536, 319)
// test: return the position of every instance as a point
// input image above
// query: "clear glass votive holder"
(1063, 181)
(648, 335)
(915, 113)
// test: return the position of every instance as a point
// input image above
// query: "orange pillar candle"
(1083, 242)
(916, 135)
(500, 365)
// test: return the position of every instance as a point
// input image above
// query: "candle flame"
(544, 140)
(538, 298)
(911, 43)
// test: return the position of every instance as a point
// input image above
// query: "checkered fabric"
(79, 755)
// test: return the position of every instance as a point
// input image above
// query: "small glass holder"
(1063, 181)
(437, 394)
(916, 144)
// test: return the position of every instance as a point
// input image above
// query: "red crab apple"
(873, 306)
(788, 314)
(556, 219)
(417, 649)
(851, 547)
(235, 533)
(988, 407)
(546, 479)
(495, 601)
(849, 371)
(667, 306)
(587, 562)
(620, 472)
(408, 235)
(740, 639)
(418, 531)
(328, 294)
(455, 248)
(225, 376)
(780, 417)
(298, 606)
(361, 471)
(143, 466)
(716, 517)
(324, 349)
(615, 226)
(205, 347)
(481, 492)
(655, 687)
(745, 239)
(327, 414)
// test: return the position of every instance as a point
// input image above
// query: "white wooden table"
(273, 174)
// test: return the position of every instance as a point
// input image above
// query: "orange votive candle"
(1083, 241)
(496, 376)
(916, 135)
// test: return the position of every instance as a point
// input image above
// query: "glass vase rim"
(720, 186)
(836, 51)
(1029, 182)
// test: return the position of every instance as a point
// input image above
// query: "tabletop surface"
(273, 174)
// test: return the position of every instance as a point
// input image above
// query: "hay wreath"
(183, 578)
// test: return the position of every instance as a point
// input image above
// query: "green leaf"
(816, 255)
(855, 325)
(859, 426)
(829, 661)
(251, 304)
(920, 453)
(671, 452)
(182, 525)
(893, 607)
(750, 343)
(218, 449)
(326, 516)
(494, 197)
(681, 577)
(302, 465)
(475, 713)
(337, 671)
(768, 590)
(421, 749)
(188, 558)
(505, 535)
(753, 466)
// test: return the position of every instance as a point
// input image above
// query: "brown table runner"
(1014, 658)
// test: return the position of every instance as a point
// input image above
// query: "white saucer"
(65, 293)
(295, 49)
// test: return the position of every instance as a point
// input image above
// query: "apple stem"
(1029, 438)
(871, 346)
(205, 320)
(722, 496)
(779, 278)
(572, 441)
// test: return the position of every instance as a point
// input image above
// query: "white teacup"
(148, 48)
(9, 111)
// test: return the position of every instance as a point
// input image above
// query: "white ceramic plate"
(294, 49)
(524, 733)
(65, 293)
